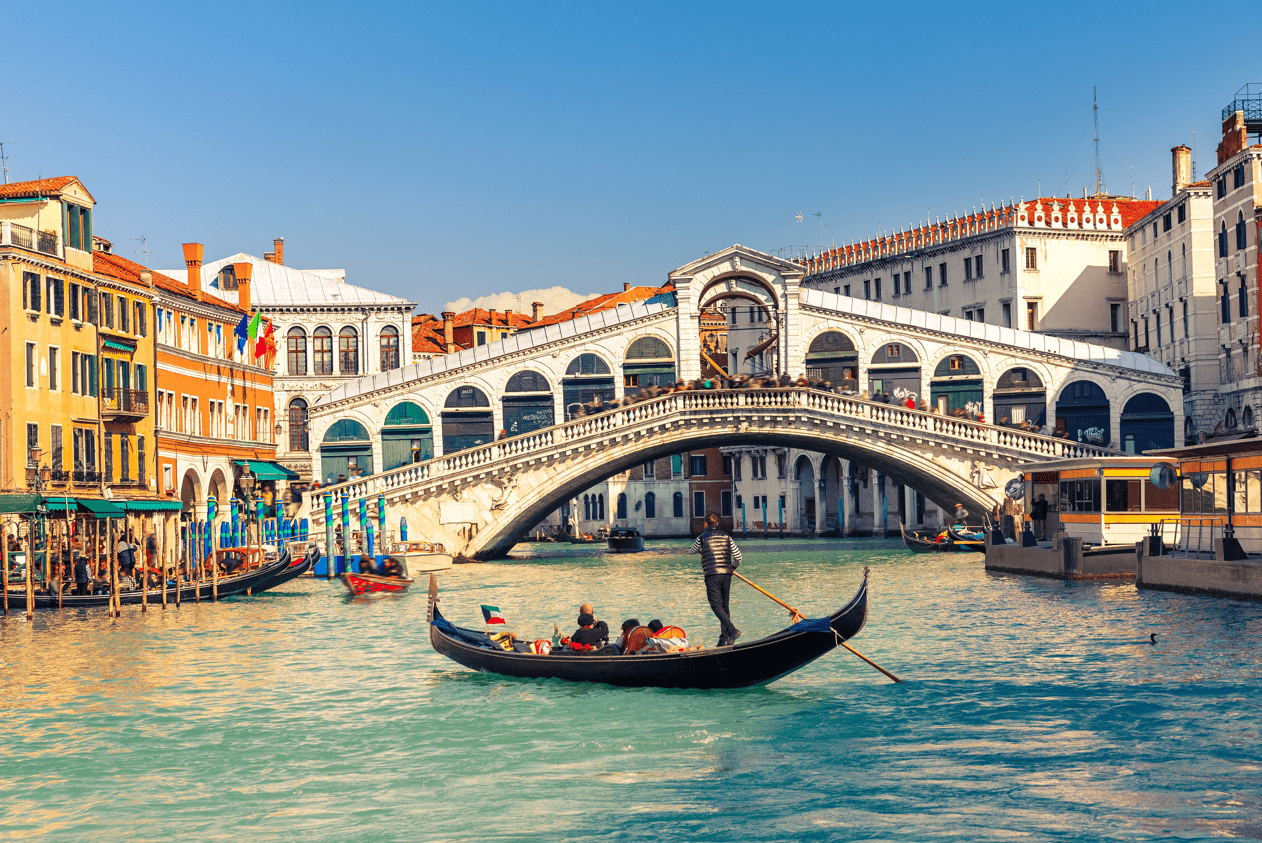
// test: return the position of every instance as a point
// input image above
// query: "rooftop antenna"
(4, 158)
(821, 229)
(1095, 117)
(1194, 155)
(142, 250)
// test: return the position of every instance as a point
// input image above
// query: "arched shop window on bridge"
(1082, 413)
(957, 385)
(587, 378)
(1021, 397)
(528, 403)
(407, 436)
(346, 451)
(832, 357)
(1147, 424)
(648, 361)
(467, 420)
(895, 369)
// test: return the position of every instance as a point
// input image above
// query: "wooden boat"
(280, 567)
(625, 540)
(738, 666)
(940, 541)
(581, 539)
(358, 584)
(419, 557)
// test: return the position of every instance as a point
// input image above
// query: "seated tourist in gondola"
(392, 567)
(367, 565)
(588, 636)
(634, 637)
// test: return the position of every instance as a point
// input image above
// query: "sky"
(453, 153)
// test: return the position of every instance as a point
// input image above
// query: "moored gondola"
(742, 665)
(942, 541)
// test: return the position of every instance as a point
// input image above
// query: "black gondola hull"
(744, 665)
(281, 570)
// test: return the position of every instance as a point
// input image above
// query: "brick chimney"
(277, 255)
(534, 310)
(626, 285)
(490, 317)
(1181, 167)
(244, 273)
(449, 327)
(193, 260)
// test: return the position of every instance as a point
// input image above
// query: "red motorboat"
(375, 583)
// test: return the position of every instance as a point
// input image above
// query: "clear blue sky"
(439, 151)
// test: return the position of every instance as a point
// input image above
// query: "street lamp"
(36, 475)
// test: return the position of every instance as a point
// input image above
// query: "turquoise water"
(1032, 710)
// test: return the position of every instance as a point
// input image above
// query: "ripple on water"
(1033, 710)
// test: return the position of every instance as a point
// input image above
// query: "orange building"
(214, 408)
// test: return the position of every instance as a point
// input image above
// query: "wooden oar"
(797, 616)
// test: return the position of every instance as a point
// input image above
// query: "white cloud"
(555, 300)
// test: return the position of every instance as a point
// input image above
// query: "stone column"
(821, 504)
(792, 352)
(687, 329)
(875, 482)
(847, 498)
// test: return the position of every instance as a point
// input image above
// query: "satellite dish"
(1162, 476)
(1015, 488)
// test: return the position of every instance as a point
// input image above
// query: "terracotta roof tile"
(630, 296)
(122, 269)
(39, 187)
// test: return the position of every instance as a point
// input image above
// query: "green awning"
(267, 470)
(18, 504)
(101, 509)
(117, 346)
(152, 506)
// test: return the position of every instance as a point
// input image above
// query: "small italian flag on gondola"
(492, 614)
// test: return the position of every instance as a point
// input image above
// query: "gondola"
(625, 540)
(358, 584)
(570, 538)
(272, 573)
(934, 541)
(738, 666)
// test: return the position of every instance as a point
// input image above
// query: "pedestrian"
(1039, 516)
(720, 557)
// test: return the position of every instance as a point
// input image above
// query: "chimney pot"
(244, 273)
(625, 286)
(449, 327)
(1181, 166)
(534, 310)
(193, 260)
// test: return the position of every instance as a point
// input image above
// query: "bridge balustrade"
(692, 402)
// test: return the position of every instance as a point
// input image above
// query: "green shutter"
(87, 229)
(92, 376)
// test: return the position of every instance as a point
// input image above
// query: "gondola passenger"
(392, 567)
(588, 636)
(366, 564)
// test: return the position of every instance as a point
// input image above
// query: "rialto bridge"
(425, 436)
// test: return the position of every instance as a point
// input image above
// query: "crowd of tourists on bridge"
(848, 387)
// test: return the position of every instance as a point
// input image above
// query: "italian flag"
(492, 614)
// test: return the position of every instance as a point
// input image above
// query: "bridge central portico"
(478, 495)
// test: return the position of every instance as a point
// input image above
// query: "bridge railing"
(722, 400)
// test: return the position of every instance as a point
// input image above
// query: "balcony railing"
(124, 402)
(86, 476)
(24, 237)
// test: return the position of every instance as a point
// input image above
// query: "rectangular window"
(32, 295)
(1185, 320)
(928, 277)
(876, 285)
(977, 266)
(108, 448)
(727, 465)
(968, 269)
(698, 504)
(76, 360)
(142, 324)
(75, 293)
(725, 503)
(107, 310)
(140, 460)
(142, 377)
(32, 364)
(1157, 318)
(91, 311)
(847, 290)
(696, 465)
(1115, 315)
(980, 314)
(122, 315)
(1242, 296)
(1146, 332)
(1004, 263)
(1007, 314)
(867, 290)
(56, 297)
(481, 337)
(1031, 257)
(1237, 175)
(1165, 222)
(54, 366)
(942, 275)
(650, 470)
(89, 362)
(1221, 187)
(1182, 213)
(1115, 260)
(907, 282)
(32, 437)
(124, 457)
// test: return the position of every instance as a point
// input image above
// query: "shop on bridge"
(895, 369)
(406, 437)
(832, 357)
(1020, 396)
(527, 403)
(1082, 414)
(957, 385)
(467, 420)
(648, 361)
(1147, 424)
(587, 378)
(346, 452)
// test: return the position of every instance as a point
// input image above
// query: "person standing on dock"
(1038, 514)
(720, 558)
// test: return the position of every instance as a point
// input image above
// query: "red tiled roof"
(39, 187)
(427, 335)
(485, 318)
(630, 296)
(122, 269)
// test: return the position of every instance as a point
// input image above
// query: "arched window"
(678, 505)
(1183, 262)
(348, 351)
(1242, 238)
(322, 351)
(1231, 418)
(587, 507)
(389, 348)
(600, 507)
(1247, 418)
(622, 505)
(650, 505)
(587, 364)
(1169, 267)
(298, 440)
(296, 349)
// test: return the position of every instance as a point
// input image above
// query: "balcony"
(24, 237)
(124, 404)
(92, 477)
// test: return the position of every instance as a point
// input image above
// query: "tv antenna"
(821, 230)
(1095, 117)
(142, 250)
(4, 158)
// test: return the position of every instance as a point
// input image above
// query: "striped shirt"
(719, 553)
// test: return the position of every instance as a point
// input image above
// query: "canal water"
(1032, 709)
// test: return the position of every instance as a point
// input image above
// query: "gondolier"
(720, 557)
